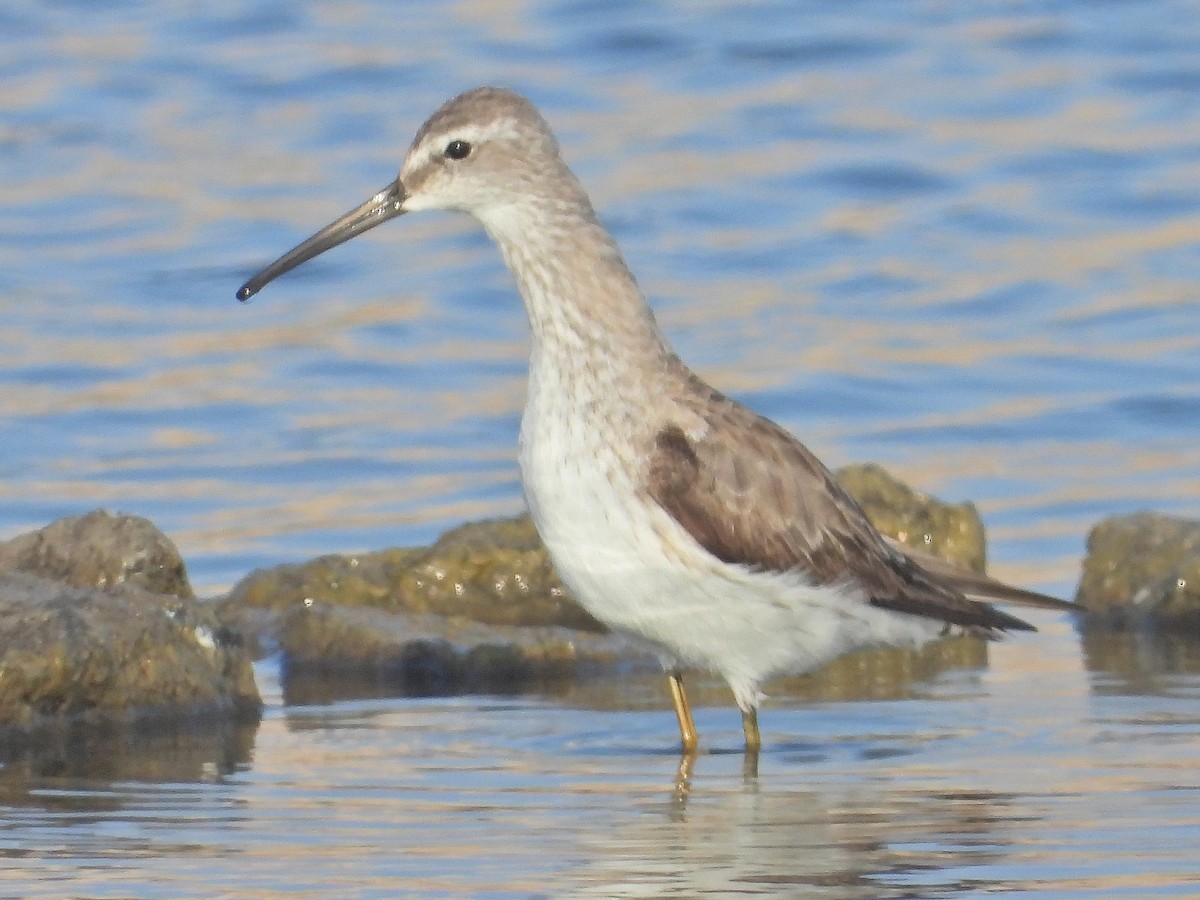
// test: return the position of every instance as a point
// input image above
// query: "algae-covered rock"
(100, 550)
(481, 605)
(71, 654)
(952, 531)
(495, 571)
(360, 580)
(1142, 570)
(425, 653)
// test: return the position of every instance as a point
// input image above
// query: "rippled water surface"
(957, 239)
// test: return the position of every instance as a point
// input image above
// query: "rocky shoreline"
(99, 624)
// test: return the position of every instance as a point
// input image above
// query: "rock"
(423, 654)
(100, 550)
(1142, 570)
(952, 531)
(494, 572)
(98, 624)
(70, 654)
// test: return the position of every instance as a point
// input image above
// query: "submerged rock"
(1142, 570)
(483, 607)
(98, 623)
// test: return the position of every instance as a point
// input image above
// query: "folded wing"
(752, 495)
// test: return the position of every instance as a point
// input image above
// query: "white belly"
(632, 567)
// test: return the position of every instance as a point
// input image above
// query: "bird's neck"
(583, 303)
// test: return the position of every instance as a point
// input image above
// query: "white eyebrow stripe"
(501, 129)
(473, 133)
(434, 143)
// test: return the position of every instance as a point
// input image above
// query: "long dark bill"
(387, 204)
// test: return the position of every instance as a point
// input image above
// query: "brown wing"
(750, 493)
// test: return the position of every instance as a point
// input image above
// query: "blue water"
(956, 239)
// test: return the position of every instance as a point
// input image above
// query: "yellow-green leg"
(750, 727)
(687, 728)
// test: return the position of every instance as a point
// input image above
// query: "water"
(1033, 776)
(959, 240)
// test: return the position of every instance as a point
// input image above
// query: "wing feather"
(751, 494)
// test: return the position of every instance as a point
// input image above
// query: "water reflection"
(1145, 661)
(961, 778)
(84, 758)
(638, 682)
(831, 841)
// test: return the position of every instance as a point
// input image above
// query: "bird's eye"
(457, 150)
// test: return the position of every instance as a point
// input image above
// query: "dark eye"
(458, 150)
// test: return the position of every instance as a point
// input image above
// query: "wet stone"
(1142, 570)
(100, 550)
(433, 654)
(952, 531)
(71, 655)
(493, 572)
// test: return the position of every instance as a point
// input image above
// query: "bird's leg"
(750, 768)
(750, 727)
(687, 728)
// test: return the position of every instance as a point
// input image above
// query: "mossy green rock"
(495, 572)
(71, 654)
(423, 654)
(1142, 569)
(952, 531)
(98, 624)
(100, 550)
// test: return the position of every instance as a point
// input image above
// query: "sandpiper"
(670, 511)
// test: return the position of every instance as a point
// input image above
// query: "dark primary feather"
(982, 587)
(750, 493)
